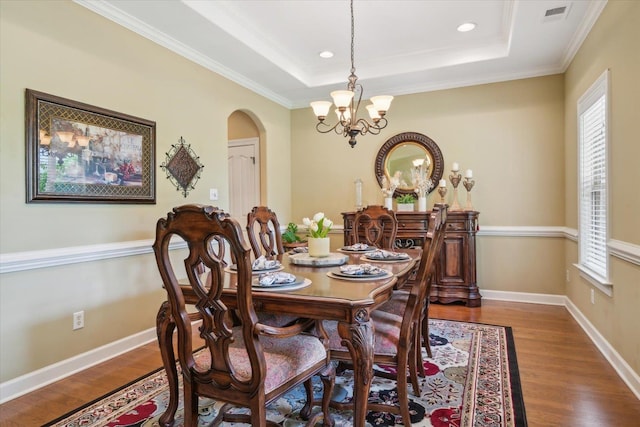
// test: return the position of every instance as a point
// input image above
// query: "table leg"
(164, 329)
(358, 338)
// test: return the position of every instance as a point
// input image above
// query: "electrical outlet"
(78, 320)
(593, 296)
(213, 194)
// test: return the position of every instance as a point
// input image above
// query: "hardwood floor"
(565, 380)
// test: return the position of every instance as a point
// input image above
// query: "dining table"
(324, 296)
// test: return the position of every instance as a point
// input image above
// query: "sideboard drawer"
(420, 225)
(456, 226)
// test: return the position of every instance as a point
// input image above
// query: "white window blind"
(593, 182)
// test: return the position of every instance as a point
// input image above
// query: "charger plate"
(300, 282)
(360, 277)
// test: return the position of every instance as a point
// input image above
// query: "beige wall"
(64, 49)
(614, 44)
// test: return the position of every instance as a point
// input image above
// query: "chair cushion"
(285, 357)
(397, 304)
(386, 338)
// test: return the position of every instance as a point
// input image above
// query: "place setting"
(360, 272)
(358, 248)
(260, 265)
(382, 255)
(279, 281)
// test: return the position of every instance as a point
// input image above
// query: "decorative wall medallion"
(183, 166)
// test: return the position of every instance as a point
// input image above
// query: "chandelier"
(347, 103)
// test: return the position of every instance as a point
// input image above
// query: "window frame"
(589, 270)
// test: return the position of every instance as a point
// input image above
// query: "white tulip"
(317, 217)
(327, 223)
(314, 226)
(306, 221)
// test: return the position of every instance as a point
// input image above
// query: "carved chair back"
(376, 226)
(263, 230)
(232, 367)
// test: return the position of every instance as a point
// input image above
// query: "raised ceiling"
(401, 46)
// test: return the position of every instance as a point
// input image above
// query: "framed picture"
(81, 153)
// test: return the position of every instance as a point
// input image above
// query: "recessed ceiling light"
(467, 26)
(326, 54)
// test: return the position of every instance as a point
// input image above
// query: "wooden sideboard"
(456, 268)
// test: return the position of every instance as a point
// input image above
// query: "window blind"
(593, 180)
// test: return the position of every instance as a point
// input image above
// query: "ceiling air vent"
(555, 14)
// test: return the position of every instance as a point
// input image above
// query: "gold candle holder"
(468, 184)
(455, 178)
(443, 192)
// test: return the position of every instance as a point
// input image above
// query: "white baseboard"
(34, 380)
(628, 375)
(510, 296)
(49, 374)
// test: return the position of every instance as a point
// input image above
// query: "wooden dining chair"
(398, 302)
(263, 230)
(375, 225)
(395, 336)
(247, 364)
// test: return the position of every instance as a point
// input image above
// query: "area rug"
(471, 381)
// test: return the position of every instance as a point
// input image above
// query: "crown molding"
(113, 14)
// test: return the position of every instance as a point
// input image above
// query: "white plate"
(299, 283)
(233, 269)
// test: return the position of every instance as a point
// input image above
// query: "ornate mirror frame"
(431, 150)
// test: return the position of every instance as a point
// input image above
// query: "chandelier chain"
(353, 68)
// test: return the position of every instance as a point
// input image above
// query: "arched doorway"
(244, 164)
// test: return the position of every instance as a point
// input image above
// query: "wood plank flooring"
(565, 380)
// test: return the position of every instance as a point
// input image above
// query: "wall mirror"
(399, 156)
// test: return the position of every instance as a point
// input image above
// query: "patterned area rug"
(472, 381)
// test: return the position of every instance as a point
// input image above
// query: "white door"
(244, 177)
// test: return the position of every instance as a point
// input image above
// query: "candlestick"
(468, 184)
(443, 192)
(455, 178)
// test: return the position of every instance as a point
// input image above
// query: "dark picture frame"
(77, 152)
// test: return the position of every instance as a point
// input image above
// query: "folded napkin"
(361, 270)
(273, 279)
(262, 263)
(382, 254)
(358, 247)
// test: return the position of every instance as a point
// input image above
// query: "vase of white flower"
(318, 228)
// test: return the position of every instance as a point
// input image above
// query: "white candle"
(455, 167)
(469, 174)
(443, 183)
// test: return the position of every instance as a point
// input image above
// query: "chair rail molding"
(625, 251)
(28, 260)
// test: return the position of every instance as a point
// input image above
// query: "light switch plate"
(213, 194)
